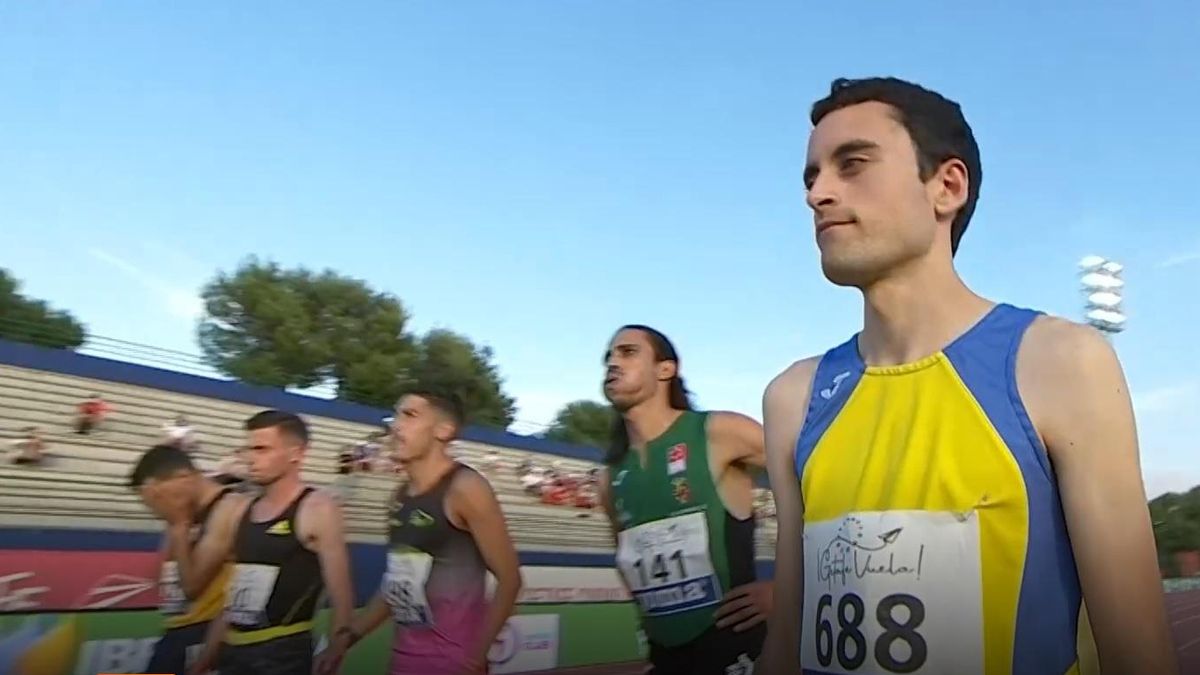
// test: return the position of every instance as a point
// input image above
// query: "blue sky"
(534, 174)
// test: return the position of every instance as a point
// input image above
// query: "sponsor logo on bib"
(893, 592)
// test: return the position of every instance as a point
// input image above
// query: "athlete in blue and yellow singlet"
(953, 482)
(943, 494)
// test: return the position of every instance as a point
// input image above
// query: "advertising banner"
(47, 581)
(526, 644)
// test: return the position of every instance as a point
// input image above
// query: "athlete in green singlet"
(679, 493)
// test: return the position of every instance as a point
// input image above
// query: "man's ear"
(666, 370)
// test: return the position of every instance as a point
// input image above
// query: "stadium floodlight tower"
(1103, 291)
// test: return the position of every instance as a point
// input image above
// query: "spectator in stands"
(91, 413)
(491, 461)
(232, 470)
(532, 480)
(30, 449)
(179, 433)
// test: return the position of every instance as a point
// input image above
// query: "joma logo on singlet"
(837, 383)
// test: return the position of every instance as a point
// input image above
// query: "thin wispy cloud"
(1167, 398)
(1178, 259)
(176, 301)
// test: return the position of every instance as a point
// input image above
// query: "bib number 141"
(659, 569)
(898, 649)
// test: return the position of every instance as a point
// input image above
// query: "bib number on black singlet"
(846, 641)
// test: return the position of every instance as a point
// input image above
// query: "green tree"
(450, 362)
(24, 319)
(583, 423)
(1176, 519)
(279, 327)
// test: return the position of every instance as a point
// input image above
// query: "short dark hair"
(448, 403)
(679, 396)
(936, 125)
(159, 462)
(288, 423)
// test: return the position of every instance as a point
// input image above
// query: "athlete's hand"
(172, 505)
(477, 665)
(329, 662)
(745, 606)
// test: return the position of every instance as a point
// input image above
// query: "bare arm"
(473, 500)
(784, 404)
(200, 564)
(604, 493)
(323, 532)
(370, 617)
(1075, 390)
(207, 660)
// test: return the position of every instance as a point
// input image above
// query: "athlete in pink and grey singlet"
(445, 532)
(435, 583)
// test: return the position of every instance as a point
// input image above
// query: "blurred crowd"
(551, 483)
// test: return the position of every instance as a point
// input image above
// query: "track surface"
(1183, 612)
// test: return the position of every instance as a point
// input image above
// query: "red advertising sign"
(42, 581)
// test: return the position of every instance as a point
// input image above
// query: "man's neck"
(426, 471)
(915, 313)
(284, 490)
(647, 421)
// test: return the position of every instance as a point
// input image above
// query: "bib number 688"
(851, 644)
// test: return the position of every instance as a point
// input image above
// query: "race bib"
(249, 592)
(171, 598)
(404, 587)
(893, 592)
(667, 565)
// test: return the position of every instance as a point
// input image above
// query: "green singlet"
(678, 549)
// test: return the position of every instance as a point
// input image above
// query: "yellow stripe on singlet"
(238, 638)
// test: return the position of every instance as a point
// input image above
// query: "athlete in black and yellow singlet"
(288, 550)
(272, 597)
(200, 516)
(185, 622)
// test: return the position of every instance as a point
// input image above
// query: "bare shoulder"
(232, 507)
(470, 488)
(468, 479)
(318, 508)
(726, 424)
(790, 389)
(1064, 367)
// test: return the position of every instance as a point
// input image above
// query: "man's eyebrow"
(847, 148)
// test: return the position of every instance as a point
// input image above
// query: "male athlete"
(201, 516)
(445, 532)
(679, 492)
(289, 548)
(955, 479)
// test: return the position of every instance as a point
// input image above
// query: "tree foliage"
(24, 319)
(448, 361)
(1176, 518)
(583, 422)
(278, 327)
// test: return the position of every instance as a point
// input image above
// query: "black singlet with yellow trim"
(177, 611)
(276, 581)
